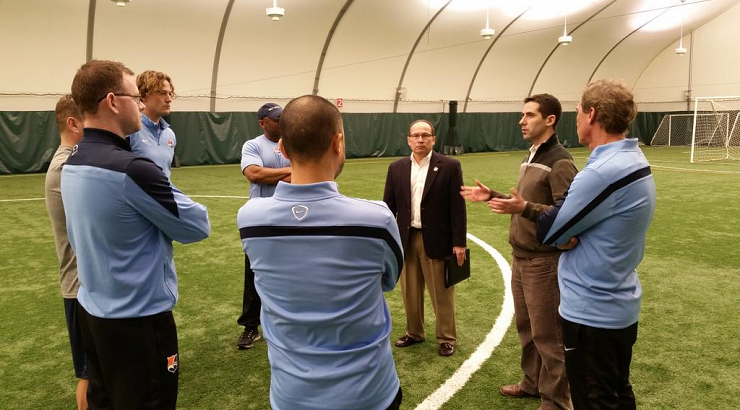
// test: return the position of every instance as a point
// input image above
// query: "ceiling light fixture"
(275, 12)
(565, 39)
(121, 3)
(681, 50)
(487, 33)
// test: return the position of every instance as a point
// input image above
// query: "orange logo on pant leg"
(172, 363)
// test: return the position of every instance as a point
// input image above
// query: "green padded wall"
(28, 139)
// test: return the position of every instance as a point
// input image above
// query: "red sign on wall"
(340, 102)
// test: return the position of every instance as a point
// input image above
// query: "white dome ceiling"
(366, 49)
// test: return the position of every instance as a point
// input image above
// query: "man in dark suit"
(423, 192)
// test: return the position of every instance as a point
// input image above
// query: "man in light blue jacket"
(122, 216)
(603, 220)
(322, 262)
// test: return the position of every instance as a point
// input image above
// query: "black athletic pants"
(598, 365)
(251, 303)
(133, 363)
(396, 404)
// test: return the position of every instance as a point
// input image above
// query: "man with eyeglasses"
(155, 140)
(422, 192)
(544, 176)
(122, 216)
(264, 166)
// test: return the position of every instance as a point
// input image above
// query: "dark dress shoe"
(406, 341)
(446, 349)
(514, 390)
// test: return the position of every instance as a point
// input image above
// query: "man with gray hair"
(603, 221)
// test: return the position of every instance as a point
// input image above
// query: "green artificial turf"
(687, 355)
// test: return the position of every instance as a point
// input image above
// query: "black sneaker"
(247, 339)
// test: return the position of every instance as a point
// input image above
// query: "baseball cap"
(270, 110)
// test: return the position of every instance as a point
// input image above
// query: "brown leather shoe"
(514, 390)
(446, 349)
(406, 341)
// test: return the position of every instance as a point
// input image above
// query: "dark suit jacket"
(443, 217)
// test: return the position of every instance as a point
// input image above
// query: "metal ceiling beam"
(90, 30)
(620, 42)
(411, 53)
(488, 50)
(329, 37)
(544, 63)
(217, 55)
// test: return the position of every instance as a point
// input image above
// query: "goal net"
(716, 129)
(674, 130)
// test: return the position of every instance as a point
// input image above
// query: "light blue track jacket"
(609, 207)
(321, 262)
(122, 216)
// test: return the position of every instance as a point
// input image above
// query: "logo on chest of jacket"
(300, 211)
(170, 143)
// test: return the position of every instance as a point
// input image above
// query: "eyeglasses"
(424, 135)
(163, 93)
(136, 97)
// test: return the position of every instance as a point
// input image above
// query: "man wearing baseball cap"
(264, 166)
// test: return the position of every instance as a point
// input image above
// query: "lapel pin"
(435, 169)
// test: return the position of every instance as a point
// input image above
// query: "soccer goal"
(674, 130)
(716, 129)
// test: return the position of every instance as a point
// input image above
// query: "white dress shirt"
(532, 152)
(418, 178)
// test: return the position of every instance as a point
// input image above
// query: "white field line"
(484, 351)
(21, 200)
(710, 171)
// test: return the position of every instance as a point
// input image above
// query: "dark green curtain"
(28, 139)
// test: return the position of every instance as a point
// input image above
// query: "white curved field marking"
(21, 199)
(484, 351)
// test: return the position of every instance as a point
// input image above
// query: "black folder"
(455, 274)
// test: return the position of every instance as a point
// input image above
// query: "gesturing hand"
(513, 205)
(479, 193)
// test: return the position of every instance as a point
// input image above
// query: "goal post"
(673, 130)
(716, 129)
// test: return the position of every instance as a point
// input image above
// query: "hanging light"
(681, 50)
(275, 12)
(565, 39)
(121, 3)
(487, 33)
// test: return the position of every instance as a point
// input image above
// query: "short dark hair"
(424, 121)
(307, 125)
(64, 109)
(94, 80)
(549, 105)
(613, 103)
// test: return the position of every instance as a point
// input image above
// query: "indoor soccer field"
(687, 354)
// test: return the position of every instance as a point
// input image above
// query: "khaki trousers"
(534, 284)
(419, 269)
